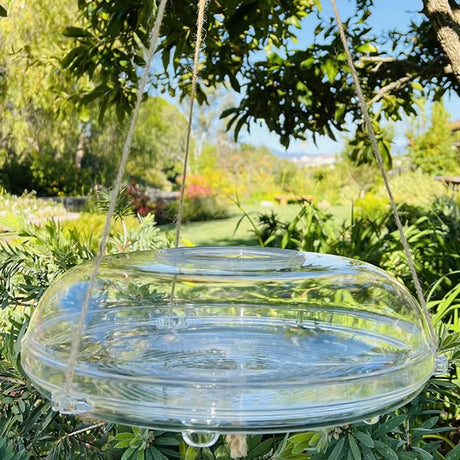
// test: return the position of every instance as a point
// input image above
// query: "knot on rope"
(238, 445)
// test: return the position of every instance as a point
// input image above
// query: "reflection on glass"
(252, 340)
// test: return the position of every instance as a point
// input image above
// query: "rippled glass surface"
(231, 340)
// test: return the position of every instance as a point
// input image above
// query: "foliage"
(200, 202)
(203, 208)
(47, 176)
(32, 122)
(49, 143)
(139, 200)
(251, 47)
(359, 150)
(413, 188)
(433, 235)
(435, 151)
(310, 230)
(28, 264)
(59, 177)
(370, 234)
(253, 173)
(158, 143)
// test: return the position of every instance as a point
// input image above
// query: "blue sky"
(387, 14)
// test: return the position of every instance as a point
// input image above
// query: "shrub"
(414, 188)
(204, 208)
(310, 230)
(16, 174)
(370, 205)
(59, 177)
(28, 264)
(139, 200)
(200, 202)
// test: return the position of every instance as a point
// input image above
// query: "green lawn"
(224, 232)
(227, 232)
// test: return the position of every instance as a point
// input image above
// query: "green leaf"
(301, 437)
(166, 441)
(191, 453)
(389, 425)
(423, 454)
(386, 451)
(417, 86)
(206, 454)
(234, 82)
(72, 55)
(128, 453)
(124, 436)
(3, 12)
(222, 453)
(354, 447)
(364, 438)
(122, 444)
(75, 32)
(337, 452)
(157, 455)
(367, 48)
(407, 456)
(368, 454)
(454, 454)
(330, 69)
(261, 450)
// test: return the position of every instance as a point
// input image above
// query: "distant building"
(310, 161)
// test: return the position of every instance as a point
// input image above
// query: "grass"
(237, 231)
(233, 230)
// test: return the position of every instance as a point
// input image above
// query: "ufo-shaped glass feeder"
(234, 339)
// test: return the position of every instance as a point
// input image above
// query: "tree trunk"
(445, 17)
(80, 148)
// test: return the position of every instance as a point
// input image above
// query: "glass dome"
(234, 339)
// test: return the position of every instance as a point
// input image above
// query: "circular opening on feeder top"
(233, 259)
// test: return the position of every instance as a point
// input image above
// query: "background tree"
(53, 143)
(157, 144)
(434, 151)
(32, 131)
(297, 90)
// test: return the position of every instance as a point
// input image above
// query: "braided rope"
(199, 34)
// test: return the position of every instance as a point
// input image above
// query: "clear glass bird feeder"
(231, 339)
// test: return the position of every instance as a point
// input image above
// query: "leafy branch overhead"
(258, 48)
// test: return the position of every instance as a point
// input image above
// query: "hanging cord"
(180, 211)
(199, 35)
(378, 156)
(75, 347)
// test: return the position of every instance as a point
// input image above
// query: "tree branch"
(408, 71)
(390, 87)
(455, 7)
(446, 23)
(405, 64)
